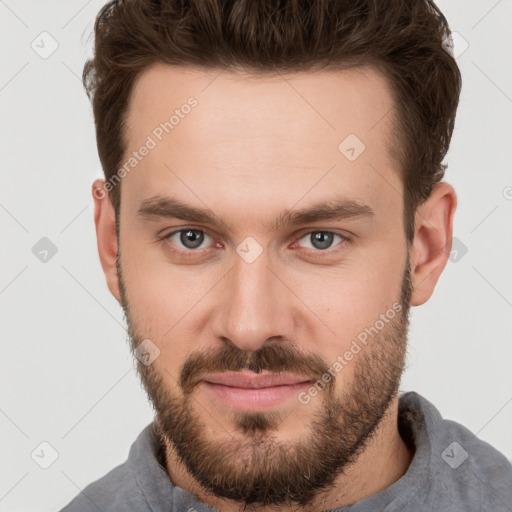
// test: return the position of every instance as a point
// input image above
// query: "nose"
(252, 305)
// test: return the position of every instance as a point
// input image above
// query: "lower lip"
(254, 399)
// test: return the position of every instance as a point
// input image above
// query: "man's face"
(316, 299)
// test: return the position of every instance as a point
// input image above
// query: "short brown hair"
(404, 39)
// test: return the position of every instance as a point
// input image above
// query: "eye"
(321, 240)
(188, 238)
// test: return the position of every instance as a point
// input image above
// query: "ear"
(105, 221)
(432, 241)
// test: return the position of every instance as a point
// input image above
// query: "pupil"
(322, 240)
(191, 238)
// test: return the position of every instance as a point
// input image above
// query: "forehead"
(272, 136)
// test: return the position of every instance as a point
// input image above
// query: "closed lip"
(256, 381)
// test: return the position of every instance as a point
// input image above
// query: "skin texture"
(252, 148)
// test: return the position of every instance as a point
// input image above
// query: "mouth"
(244, 391)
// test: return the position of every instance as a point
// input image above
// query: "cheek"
(156, 284)
(350, 298)
(165, 302)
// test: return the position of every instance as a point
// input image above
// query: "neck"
(383, 461)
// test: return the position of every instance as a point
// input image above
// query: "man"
(273, 205)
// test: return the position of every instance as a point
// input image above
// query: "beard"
(253, 466)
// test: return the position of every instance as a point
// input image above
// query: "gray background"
(66, 373)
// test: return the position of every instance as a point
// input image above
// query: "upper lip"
(255, 381)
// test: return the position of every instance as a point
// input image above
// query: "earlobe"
(432, 241)
(105, 222)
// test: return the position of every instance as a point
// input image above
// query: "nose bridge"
(253, 305)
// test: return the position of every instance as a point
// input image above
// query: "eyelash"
(320, 253)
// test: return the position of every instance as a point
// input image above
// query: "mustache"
(273, 358)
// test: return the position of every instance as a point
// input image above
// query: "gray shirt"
(451, 471)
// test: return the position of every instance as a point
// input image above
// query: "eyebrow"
(162, 207)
